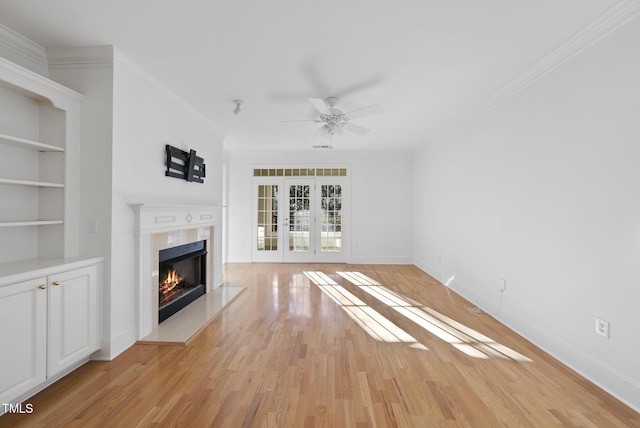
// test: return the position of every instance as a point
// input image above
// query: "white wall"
(128, 119)
(544, 193)
(381, 206)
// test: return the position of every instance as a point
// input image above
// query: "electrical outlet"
(503, 284)
(602, 327)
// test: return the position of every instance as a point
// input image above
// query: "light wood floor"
(285, 354)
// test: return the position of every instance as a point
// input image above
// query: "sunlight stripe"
(416, 318)
(388, 325)
(320, 278)
(385, 296)
(364, 278)
(341, 298)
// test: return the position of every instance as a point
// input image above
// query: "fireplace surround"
(159, 227)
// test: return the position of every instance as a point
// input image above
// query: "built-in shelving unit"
(39, 126)
(30, 223)
(50, 293)
(30, 183)
(8, 140)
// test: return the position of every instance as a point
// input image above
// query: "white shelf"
(8, 140)
(29, 183)
(39, 147)
(30, 223)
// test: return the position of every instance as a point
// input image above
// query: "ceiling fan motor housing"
(336, 118)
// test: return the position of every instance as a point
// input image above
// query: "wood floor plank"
(285, 354)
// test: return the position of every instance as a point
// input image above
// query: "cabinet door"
(74, 315)
(23, 338)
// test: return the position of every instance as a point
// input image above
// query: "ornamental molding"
(23, 51)
(159, 218)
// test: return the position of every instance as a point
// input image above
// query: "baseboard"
(114, 346)
(619, 385)
(381, 261)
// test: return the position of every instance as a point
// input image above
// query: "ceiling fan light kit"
(237, 109)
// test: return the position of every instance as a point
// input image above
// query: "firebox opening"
(182, 277)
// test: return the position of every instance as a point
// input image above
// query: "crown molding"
(112, 57)
(122, 62)
(611, 20)
(23, 51)
(80, 57)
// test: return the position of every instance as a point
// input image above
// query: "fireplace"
(182, 277)
(159, 227)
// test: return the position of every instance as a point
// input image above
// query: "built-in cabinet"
(73, 306)
(51, 323)
(50, 297)
(23, 315)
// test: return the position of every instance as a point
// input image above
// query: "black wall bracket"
(184, 165)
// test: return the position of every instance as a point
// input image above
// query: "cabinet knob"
(56, 283)
(42, 287)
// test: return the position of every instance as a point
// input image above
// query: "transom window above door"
(300, 172)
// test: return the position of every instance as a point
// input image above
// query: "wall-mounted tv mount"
(184, 165)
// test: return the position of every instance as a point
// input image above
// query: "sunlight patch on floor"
(461, 337)
(371, 321)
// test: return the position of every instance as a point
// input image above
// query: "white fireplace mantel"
(155, 219)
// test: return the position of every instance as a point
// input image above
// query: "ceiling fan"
(334, 121)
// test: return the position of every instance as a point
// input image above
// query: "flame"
(168, 285)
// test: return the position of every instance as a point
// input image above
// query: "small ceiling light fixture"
(237, 109)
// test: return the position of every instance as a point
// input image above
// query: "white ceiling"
(426, 62)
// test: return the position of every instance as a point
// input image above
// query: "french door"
(300, 219)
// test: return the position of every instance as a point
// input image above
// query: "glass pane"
(331, 218)
(267, 227)
(299, 218)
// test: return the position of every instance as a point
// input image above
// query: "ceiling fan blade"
(322, 132)
(358, 86)
(364, 111)
(320, 105)
(302, 120)
(356, 129)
